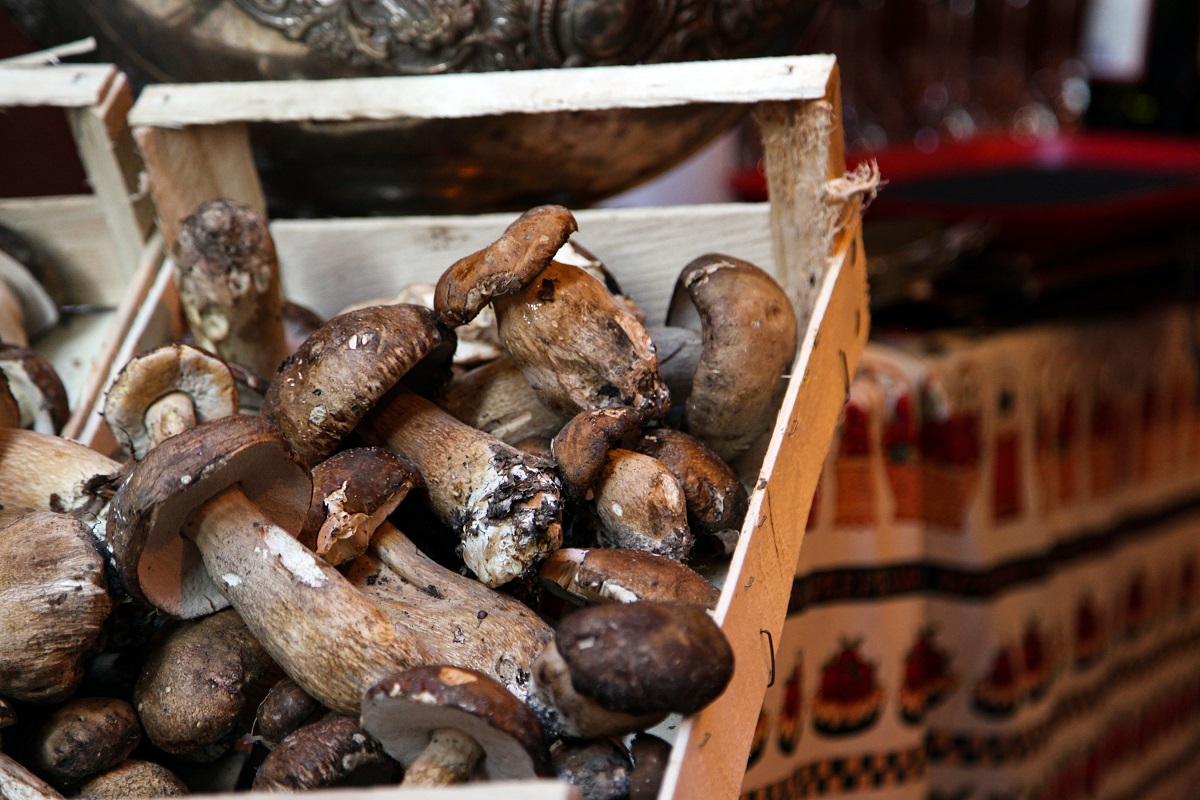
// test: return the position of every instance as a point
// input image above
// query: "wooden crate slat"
(64, 86)
(482, 94)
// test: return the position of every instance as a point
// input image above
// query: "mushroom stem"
(504, 504)
(450, 758)
(20, 784)
(321, 631)
(170, 414)
(38, 470)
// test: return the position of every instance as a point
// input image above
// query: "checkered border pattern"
(838, 775)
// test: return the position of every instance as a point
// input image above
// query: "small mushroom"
(616, 575)
(578, 348)
(133, 778)
(638, 501)
(716, 499)
(650, 757)
(37, 388)
(598, 768)
(228, 276)
(620, 668)
(164, 391)
(285, 708)
(749, 341)
(443, 724)
(84, 737)
(18, 783)
(208, 519)
(194, 694)
(323, 753)
(354, 491)
(54, 603)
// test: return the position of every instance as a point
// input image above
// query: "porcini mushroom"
(166, 390)
(650, 756)
(444, 723)
(716, 500)
(49, 473)
(620, 668)
(37, 388)
(749, 341)
(285, 708)
(618, 575)
(497, 399)
(322, 753)
(133, 777)
(208, 518)
(54, 603)
(19, 783)
(598, 768)
(84, 737)
(228, 276)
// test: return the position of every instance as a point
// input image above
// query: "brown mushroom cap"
(403, 711)
(622, 575)
(198, 374)
(505, 266)
(599, 768)
(582, 446)
(716, 499)
(354, 491)
(646, 657)
(578, 347)
(37, 388)
(749, 342)
(53, 605)
(133, 778)
(84, 737)
(324, 389)
(285, 708)
(155, 561)
(316, 755)
(650, 757)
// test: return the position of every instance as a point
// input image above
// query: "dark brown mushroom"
(446, 723)
(598, 768)
(285, 708)
(84, 737)
(320, 754)
(650, 757)
(716, 499)
(133, 778)
(37, 388)
(616, 575)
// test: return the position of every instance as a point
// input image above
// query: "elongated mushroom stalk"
(496, 399)
(749, 342)
(615, 575)
(165, 391)
(193, 695)
(41, 471)
(228, 278)
(83, 738)
(471, 625)
(323, 753)
(503, 503)
(638, 501)
(445, 724)
(621, 668)
(133, 778)
(54, 603)
(577, 346)
(354, 491)
(208, 519)
(19, 783)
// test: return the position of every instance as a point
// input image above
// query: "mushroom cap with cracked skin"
(133, 778)
(146, 378)
(319, 754)
(716, 499)
(623, 575)
(402, 711)
(322, 391)
(645, 657)
(581, 447)
(505, 266)
(54, 604)
(578, 347)
(147, 515)
(85, 737)
(749, 335)
(354, 491)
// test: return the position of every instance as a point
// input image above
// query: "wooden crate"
(195, 143)
(101, 243)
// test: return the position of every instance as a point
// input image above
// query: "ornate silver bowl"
(455, 166)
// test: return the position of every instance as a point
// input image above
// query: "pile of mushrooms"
(401, 566)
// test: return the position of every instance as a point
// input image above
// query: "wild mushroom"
(443, 724)
(497, 399)
(27, 287)
(598, 768)
(194, 694)
(84, 737)
(54, 603)
(285, 709)
(640, 504)
(620, 668)
(18, 783)
(228, 276)
(133, 778)
(41, 471)
(615, 575)
(578, 348)
(749, 342)
(164, 391)
(471, 625)
(323, 753)
(37, 388)
(650, 757)
(208, 518)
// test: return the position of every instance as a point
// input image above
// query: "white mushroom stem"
(450, 758)
(321, 631)
(18, 783)
(503, 503)
(169, 415)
